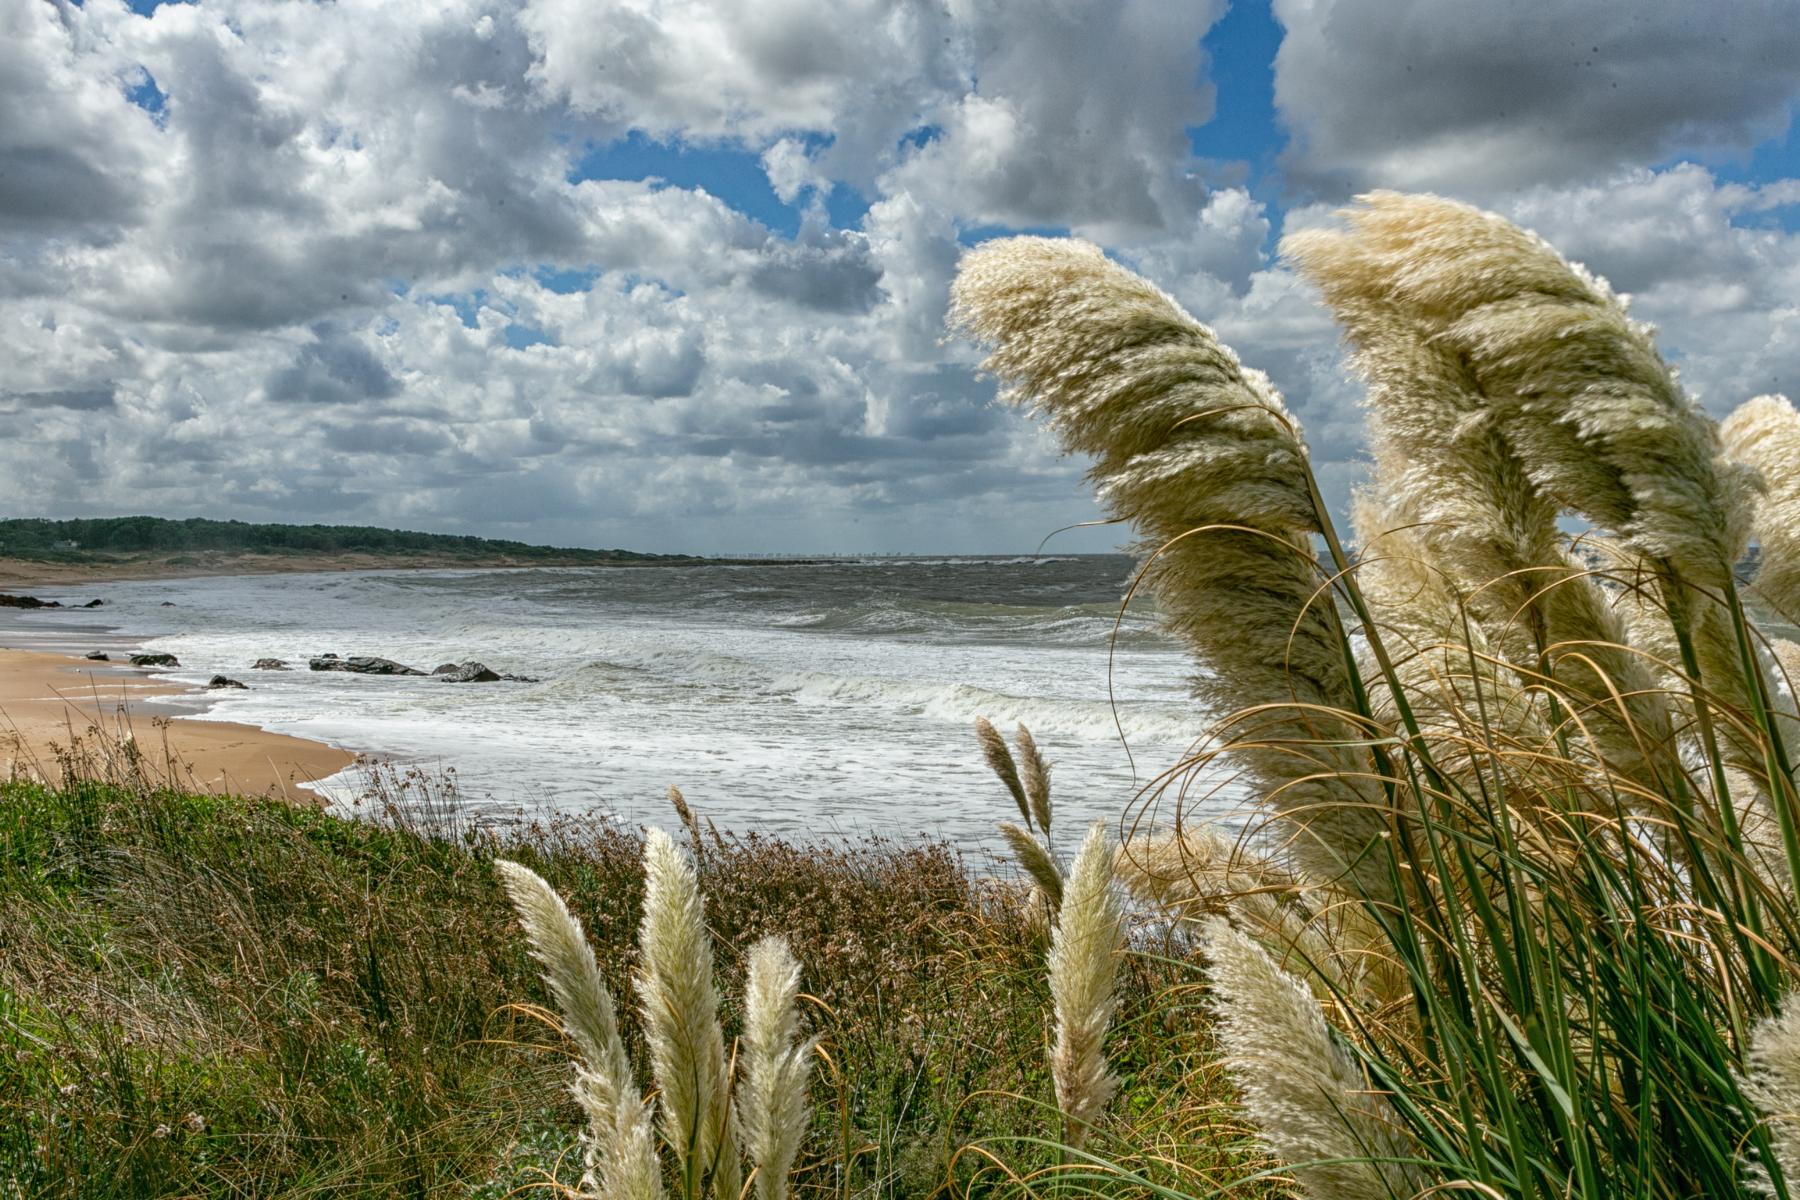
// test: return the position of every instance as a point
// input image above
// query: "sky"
(671, 274)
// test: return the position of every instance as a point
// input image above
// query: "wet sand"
(48, 701)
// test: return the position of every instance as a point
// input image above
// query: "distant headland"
(142, 546)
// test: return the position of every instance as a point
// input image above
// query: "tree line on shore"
(88, 537)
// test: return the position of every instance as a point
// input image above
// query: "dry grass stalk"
(688, 820)
(1030, 790)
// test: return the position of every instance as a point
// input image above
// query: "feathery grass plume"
(1000, 762)
(1309, 1101)
(1200, 454)
(1442, 463)
(1450, 477)
(619, 1143)
(1764, 433)
(771, 1103)
(681, 1007)
(1090, 931)
(1772, 1083)
(1576, 387)
(1046, 873)
(1034, 772)
(1195, 874)
(1032, 795)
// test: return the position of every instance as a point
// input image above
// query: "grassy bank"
(223, 997)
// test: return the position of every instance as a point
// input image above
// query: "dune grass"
(210, 996)
(1512, 910)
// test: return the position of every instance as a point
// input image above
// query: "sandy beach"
(48, 700)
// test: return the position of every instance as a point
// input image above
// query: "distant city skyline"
(670, 275)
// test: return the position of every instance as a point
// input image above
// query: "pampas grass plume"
(1764, 433)
(1090, 928)
(772, 1108)
(1037, 861)
(680, 1007)
(1592, 412)
(620, 1147)
(1035, 774)
(1306, 1097)
(1201, 455)
(1773, 1085)
(1000, 762)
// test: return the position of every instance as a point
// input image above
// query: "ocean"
(800, 700)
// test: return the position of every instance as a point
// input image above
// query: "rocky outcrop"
(361, 664)
(155, 660)
(269, 664)
(474, 672)
(469, 672)
(93, 604)
(98, 656)
(221, 681)
(7, 601)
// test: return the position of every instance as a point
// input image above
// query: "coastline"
(53, 703)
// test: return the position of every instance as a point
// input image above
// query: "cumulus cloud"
(347, 262)
(1482, 97)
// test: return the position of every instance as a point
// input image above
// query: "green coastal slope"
(103, 539)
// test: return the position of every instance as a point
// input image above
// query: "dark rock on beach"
(94, 604)
(7, 601)
(361, 664)
(269, 664)
(221, 681)
(98, 656)
(155, 660)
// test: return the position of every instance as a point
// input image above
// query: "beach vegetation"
(218, 996)
(1510, 905)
